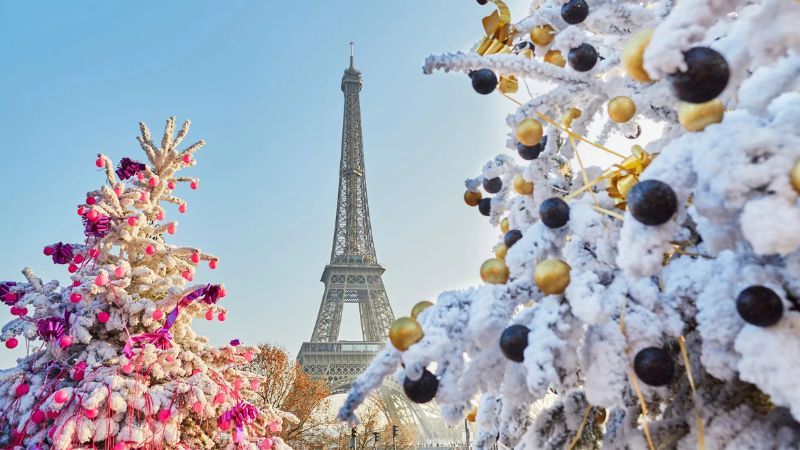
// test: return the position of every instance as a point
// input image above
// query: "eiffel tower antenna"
(351, 53)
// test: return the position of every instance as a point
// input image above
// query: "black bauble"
(759, 305)
(652, 202)
(529, 153)
(483, 2)
(512, 237)
(513, 342)
(492, 185)
(554, 212)
(582, 58)
(422, 390)
(654, 366)
(706, 75)
(574, 11)
(485, 206)
(484, 81)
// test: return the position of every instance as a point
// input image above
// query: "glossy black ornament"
(706, 76)
(582, 58)
(512, 237)
(759, 305)
(654, 366)
(485, 206)
(575, 11)
(422, 390)
(652, 202)
(513, 342)
(482, 2)
(530, 153)
(554, 212)
(492, 185)
(484, 81)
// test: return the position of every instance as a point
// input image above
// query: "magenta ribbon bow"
(161, 338)
(241, 414)
(61, 253)
(52, 328)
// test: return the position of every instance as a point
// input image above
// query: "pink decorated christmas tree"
(114, 361)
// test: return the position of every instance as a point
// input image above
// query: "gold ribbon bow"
(623, 177)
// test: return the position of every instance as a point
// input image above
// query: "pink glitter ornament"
(132, 221)
(187, 159)
(195, 258)
(91, 200)
(153, 181)
(212, 264)
(197, 407)
(65, 341)
(171, 184)
(248, 356)
(182, 208)
(38, 416)
(219, 398)
(93, 215)
(209, 315)
(75, 297)
(158, 314)
(72, 268)
(150, 250)
(194, 184)
(76, 283)
(78, 258)
(99, 162)
(81, 211)
(266, 444)
(119, 190)
(274, 426)
(102, 317)
(140, 175)
(170, 358)
(120, 446)
(127, 368)
(221, 316)
(160, 215)
(100, 280)
(14, 311)
(119, 272)
(143, 197)
(187, 275)
(237, 384)
(22, 312)
(48, 251)
(172, 228)
(94, 253)
(163, 415)
(61, 396)
(224, 425)
(12, 342)
(22, 389)
(91, 413)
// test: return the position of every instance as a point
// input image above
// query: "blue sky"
(260, 82)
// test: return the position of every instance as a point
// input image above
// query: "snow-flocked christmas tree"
(650, 303)
(113, 361)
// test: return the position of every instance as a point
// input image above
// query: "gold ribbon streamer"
(577, 437)
(498, 31)
(701, 441)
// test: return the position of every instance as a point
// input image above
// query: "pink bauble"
(75, 297)
(150, 250)
(52, 414)
(132, 221)
(78, 258)
(102, 317)
(172, 228)
(65, 341)
(238, 384)
(274, 426)
(140, 175)
(197, 407)
(194, 184)
(127, 368)
(153, 181)
(163, 415)
(222, 292)
(119, 190)
(23, 311)
(266, 444)
(160, 215)
(10, 297)
(224, 425)
(91, 413)
(182, 208)
(158, 314)
(187, 275)
(144, 196)
(248, 356)
(219, 398)
(254, 385)
(48, 251)
(187, 159)
(170, 358)
(99, 162)
(209, 315)
(94, 253)
(171, 184)
(93, 215)
(222, 316)
(14, 311)
(78, 374)
(12, 342)
(195, 258)
(72, 268)
(61, 396)
(100, 280)
(212, 264)
(22, 389)
(196, 371)
(119, 272)
(81, 211)
(76, 283)
(120, 446)
(91, 200)
(38, 416)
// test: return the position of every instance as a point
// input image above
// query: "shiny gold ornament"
(633, 55)
(552, 276)
(697, 116)
(794, 176)
(504, 227)
(404, 333)
(500, 251)
(472, 198)
(498, 31)
(508, 84)
(472, 415)
(624, 176)
(521, 186)
(600, 416)
(494, 271)
(542, 35)
(570, 116)
(621, 109)
(419, 307)
(529, 132)
(554, 57)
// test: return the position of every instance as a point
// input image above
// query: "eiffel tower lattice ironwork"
(353, 274)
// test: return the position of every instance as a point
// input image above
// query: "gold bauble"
(554, 57)
(542, 35)
(472, 198)
(621, 109)
(521, 186)
(529, 132)
(697, 116)
(633, 55)
(794, 176)
(552, 276)
(419, 307)
(404, 333)
(494, 271)
(504, 226)
(600, 416)
(500, 251)
(472, 415)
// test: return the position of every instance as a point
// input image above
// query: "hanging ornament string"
(697, 413)
(577, 437)
(634, 380)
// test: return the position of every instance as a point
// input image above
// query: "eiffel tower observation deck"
(354, 276)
